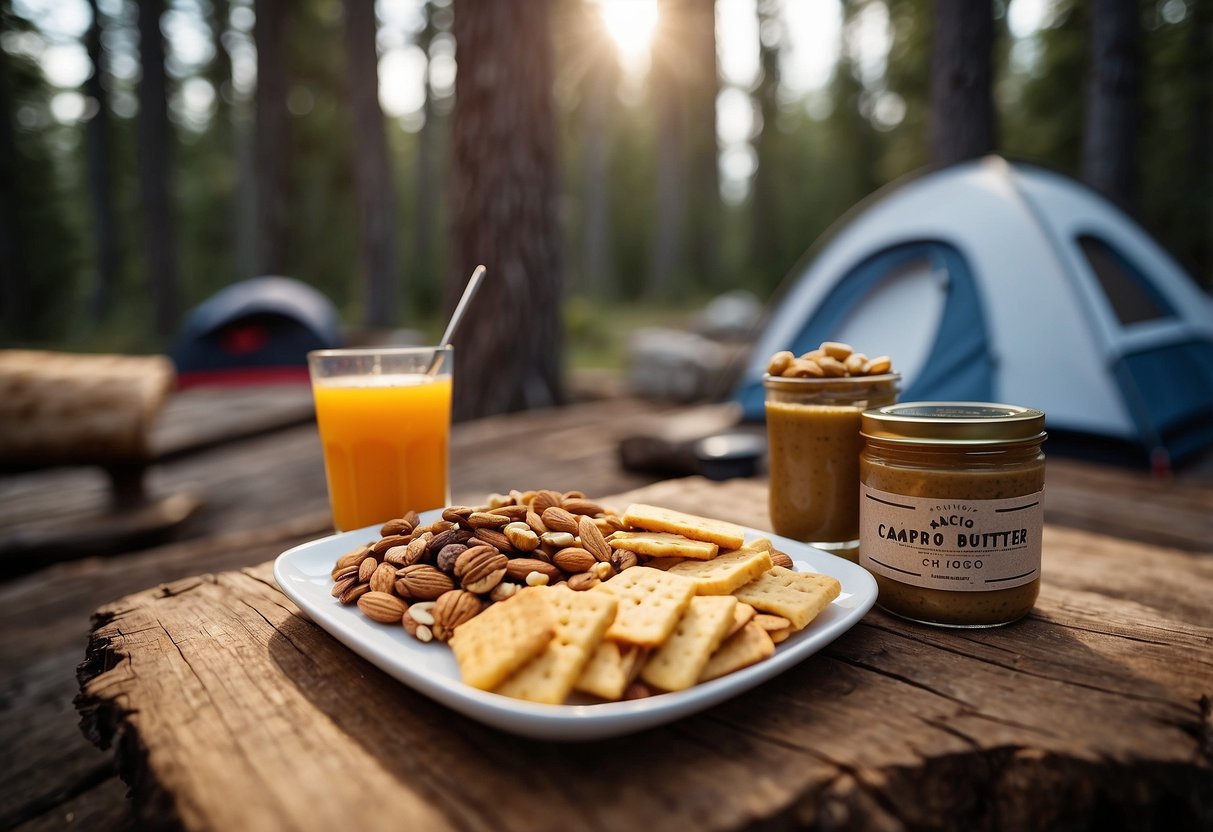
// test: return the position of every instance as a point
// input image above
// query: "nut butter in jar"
(951, 510)
(813, 450)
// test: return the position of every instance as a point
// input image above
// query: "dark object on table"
(721, 456)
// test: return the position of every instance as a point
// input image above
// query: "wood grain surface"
(265, 493)
(229, 709)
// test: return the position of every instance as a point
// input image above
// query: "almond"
(354, 593)
(381, 607)
(514, 514)
(559, 520)
(354, 557)
(384, 543)
(367, 568)
(574, 559)
(452, 609)
(457, 514)
(592, 540)
(383, 579)
(424, 582)
(519, 568)
(394, 527)
(421, 632)
(536, 523)
(487, 520)
(448, 537)
(417, 549)
(343, 585)
(496, 539)
(480, 568)
(544, 500)
(578, 505)
(781, 559)
(583, 581)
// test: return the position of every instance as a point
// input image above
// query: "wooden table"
(223, 708)
(229, 709)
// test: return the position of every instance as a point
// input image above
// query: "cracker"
(581, 619)
(502, 639)
(747, 646)
(742, 613)
(676, 665)
(797, 596)
(656, 519)
(771, 623)
(664, 545)
(663, 563)
(723, 574)
(650, 604)
(610, 669)
(806, 581)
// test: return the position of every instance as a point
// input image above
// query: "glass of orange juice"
(385, 423)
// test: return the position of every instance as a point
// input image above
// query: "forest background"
(155, 151)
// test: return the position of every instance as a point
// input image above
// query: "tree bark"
(100, 181)
(372, 171)
(13, 275)
(424, 268)
(703, 178)
(765, 238)
(155, 166)
(670, 222)
(272, 138)
(962, 110)
(1109, 143)
(597, 266)
(503, 209)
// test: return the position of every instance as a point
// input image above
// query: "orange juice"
(385, 444)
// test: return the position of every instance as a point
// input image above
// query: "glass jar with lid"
(951, 510)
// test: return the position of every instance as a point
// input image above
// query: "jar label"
(952, 544)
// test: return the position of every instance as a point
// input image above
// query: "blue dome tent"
(993, 281)
(255, 331)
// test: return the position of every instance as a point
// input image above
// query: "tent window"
(1129, 291)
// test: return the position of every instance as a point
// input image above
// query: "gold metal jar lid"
(954, 423)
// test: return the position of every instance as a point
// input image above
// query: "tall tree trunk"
(962, 110)
(13, 275)
(155, 153)
(423, 259)
(670, 222)
(703, 177)
(1109, 141)
(503, 208)
(372, 172)
(597, 267)
(100, 182)
(272, 138)
(765, 239)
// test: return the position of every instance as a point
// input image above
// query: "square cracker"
(650, 604)
(742, 614)
(664, 545)
(723, 574)
(502, 639)
(610, 669)
(797, 596)
(656, 519)
(581, 619)
(747, 646)
(676, 665)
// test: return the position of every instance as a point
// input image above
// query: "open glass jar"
(813, 447)
(951, 510)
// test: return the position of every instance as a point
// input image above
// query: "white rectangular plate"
(430, 669)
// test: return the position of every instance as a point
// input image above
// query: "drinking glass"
(385, 423)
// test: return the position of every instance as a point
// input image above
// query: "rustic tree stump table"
(227, 709)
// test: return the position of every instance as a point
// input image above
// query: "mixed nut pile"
(833, 359)
(433, 577)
